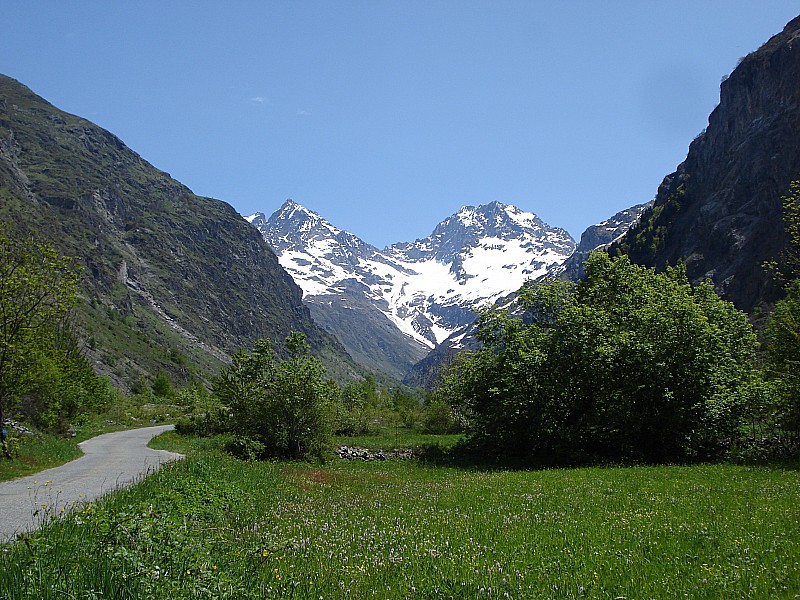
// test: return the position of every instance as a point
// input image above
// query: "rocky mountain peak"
(495, 217)
(600, 236)
(389, 306)
(486, 226)
(257, 220)
(294, 228)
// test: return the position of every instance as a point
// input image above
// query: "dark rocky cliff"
(720, 211)
(171, 281)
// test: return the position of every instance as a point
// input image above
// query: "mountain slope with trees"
(171, 281)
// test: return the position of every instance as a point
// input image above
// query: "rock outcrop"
(600, 236)
(721, 212)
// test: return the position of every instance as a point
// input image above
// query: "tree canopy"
(38, 286)
(782, 333)
(626, 364)
(791, 216)
(279, 408)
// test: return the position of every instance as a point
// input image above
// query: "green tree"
(627, 363)
(782, 361)
(438, 416)
(285, 407)
(791, 217)
(657, 364)
(782, 332)
(38, 287)
(359, 408)
(61, 381)
(243, 387)
(406, 406)
(162, 386)
(305, 402)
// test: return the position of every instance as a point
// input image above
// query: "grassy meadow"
(36, 453)
(215, 527)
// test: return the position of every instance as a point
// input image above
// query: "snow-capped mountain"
(391, 306)
(595, 237)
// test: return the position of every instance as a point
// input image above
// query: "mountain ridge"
(424, 289)
(720, 211)
(171, 281)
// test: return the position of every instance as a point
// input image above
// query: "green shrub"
(162, 386)
(627, 364)
(245, 447)
(783, 357)
(288, 406)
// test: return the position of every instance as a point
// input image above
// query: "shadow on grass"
(465, 456)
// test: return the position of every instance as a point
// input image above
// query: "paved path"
(110, 461)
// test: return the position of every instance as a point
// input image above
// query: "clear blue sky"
(386, 117)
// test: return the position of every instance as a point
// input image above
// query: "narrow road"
(109, 461)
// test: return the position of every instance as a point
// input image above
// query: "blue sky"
(386, 117)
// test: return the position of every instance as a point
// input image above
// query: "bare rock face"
(599, 237)
(721, 210)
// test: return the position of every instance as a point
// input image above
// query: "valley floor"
(211, 526)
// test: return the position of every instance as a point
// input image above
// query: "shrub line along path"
(110, 461)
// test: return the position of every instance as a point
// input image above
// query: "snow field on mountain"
(429, 287)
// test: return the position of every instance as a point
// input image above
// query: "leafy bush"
(782, 333)
(287, 406)
(360, 408)
(206, 415)
(245, 447)
(782, 362)
(626, 364)
(439, 417)
(162, 386)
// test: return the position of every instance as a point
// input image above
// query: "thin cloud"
(302, 113)
(259, 99)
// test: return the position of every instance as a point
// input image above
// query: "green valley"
(216, 527)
